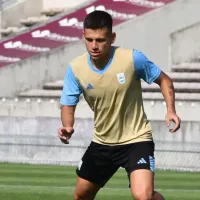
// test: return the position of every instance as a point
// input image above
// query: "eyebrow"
(100, 38)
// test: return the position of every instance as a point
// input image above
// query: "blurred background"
(38, 38)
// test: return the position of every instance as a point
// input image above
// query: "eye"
(89, 39)
(100, 40)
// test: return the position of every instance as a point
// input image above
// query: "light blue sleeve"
(71, 89)
(144, 68)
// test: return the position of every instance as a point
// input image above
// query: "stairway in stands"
(186, 77)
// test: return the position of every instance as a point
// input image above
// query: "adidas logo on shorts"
(142, 161)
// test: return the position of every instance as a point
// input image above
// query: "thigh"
(96, 165)
(142, 184)
(85, 190)
(141, 156)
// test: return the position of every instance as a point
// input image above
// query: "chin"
(95, 57)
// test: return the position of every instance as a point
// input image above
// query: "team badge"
(121, 78)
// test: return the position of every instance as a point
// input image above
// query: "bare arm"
(69, 99)
(167, 89)
(67, 115)
(147, 70)
(67, 118)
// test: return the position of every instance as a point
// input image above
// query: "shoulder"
(122, 50)
(123, 53)
(139, 58)
(78, 62)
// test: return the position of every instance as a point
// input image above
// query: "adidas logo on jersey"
(89, 86)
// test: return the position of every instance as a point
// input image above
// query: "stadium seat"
(186, 67)
(12, 30)
(186, 84)
(52, 11)
(30, 21)
(9, 30)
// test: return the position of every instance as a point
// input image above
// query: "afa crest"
(121, 78)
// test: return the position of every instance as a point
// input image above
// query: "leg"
(140, 169)
(85, 190)
(142, 185)
(94, 170)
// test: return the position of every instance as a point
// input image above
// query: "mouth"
(95, 54)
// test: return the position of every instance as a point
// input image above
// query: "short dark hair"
(98, 20)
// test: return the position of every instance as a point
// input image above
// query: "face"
(98, 42)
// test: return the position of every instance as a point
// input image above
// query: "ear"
(83, 35)
(113, 37)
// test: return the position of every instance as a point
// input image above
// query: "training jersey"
(114, 94)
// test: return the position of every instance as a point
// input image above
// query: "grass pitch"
(45, 182)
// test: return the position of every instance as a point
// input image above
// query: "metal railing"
(45, 152)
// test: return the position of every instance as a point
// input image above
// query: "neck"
(101, 63)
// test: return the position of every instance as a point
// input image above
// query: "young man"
(109, 78)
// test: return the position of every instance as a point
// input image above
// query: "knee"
(158, 196)
(143, 195)
(147, 195)
(77, 196)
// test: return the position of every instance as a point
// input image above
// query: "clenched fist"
(65, 133)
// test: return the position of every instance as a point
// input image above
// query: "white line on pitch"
(105, 188)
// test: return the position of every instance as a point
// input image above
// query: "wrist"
(171, 110)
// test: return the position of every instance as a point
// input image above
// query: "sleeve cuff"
(157, 74)
(68, 103)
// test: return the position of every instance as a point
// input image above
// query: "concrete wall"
(185, 44)
(0, 24)
(11, 15)
(149, 33)
(41, 108)
(62, 3)
(34, 72)
(34, 140)
(6, 3)
(155, 110)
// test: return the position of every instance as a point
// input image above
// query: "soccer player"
(109, 79)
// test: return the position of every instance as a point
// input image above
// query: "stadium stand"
(34, 13)
(33, 64)
(45, 39)
(5, 3)
(186, 79)
(55, 36)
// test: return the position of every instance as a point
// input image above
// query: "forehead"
(96, 33)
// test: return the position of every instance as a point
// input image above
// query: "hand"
(65, 133)
(172, 116)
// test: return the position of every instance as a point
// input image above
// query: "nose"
(94, 45)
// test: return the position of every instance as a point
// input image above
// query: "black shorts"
(100, 162)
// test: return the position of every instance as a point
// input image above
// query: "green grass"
(44, 182)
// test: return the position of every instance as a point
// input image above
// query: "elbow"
(165, 80)
(167, 84)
